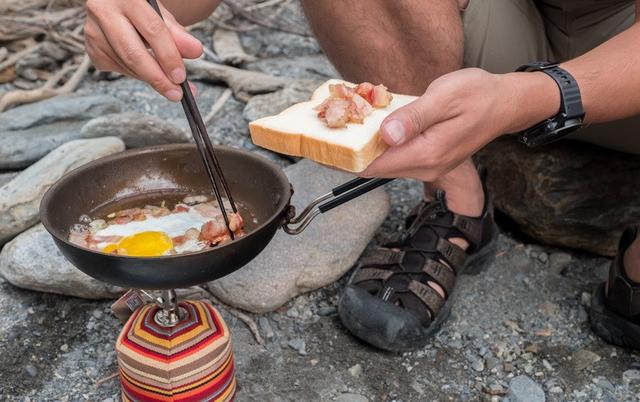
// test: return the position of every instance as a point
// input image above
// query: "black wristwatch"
(571, 114)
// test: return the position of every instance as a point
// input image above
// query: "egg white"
(175, 224)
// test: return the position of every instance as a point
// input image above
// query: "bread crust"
(336, 155)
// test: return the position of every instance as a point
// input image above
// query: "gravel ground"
(520, 327)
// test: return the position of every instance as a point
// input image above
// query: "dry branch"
(243, 83)
(48, 90)
(218, 104)
(227, 46)
(13, 59)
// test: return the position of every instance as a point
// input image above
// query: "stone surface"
(7, 177)
(524, 389)
(20, 198)
(29, 132)
(135, 129)
(325, 251)
(32, 261)
(567, 194)
(273, 103)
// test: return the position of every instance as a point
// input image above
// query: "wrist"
(531, 98)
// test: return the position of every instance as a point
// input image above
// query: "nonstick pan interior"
(136, 177)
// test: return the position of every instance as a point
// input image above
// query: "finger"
(188, 45)
(396, 160)
(194, 88)
(155, 32)
(410, 120)
(102, 55)
(128, 45)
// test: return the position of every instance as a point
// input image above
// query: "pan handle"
(338, 196)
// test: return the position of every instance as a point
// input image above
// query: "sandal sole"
(404, 332)
(611, 326)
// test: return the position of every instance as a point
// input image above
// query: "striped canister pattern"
(192, 361)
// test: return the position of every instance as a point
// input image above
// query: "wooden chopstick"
(203, 143)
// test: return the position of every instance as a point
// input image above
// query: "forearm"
(608, 77)
(192, 11)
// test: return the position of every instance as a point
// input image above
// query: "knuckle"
(415, 118)
(132, 54)
(158, 82)
(155, 27)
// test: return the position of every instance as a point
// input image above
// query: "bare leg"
(404, 45)
(632, 261)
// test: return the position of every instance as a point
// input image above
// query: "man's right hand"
(118, 33)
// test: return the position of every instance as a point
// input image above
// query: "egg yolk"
(143, 244)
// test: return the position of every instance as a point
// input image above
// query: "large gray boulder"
(568, 194)
(330, 246)
(135, 129)
(29, 132)
(32, 261)
(20, 198)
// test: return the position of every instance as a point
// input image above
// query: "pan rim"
(46, 199)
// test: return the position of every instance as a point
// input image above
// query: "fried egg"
(152, 237)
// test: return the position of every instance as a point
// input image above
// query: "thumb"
(408, 121)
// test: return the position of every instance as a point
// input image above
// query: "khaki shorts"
(501, 35)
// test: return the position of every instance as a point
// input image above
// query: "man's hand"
(118, 32)
(458, 114)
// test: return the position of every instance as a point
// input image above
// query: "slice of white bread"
(298, 131)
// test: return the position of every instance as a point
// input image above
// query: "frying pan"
(137, 177)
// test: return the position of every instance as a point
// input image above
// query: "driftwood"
(48, 90)
(243, 83)
(14, 27)
(227, 46)
(217, 106)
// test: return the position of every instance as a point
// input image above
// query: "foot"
(615, 306)
(401, 295)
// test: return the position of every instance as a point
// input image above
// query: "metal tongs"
(203, 143)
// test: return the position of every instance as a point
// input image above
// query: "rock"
(524, 389)
(31, 370)
(265, 327)
(355, 370)
(568, 194)
(584, 358)
(29, 132)
(7, 177)
(298, 345)
(348, 397)
(325, 251)
(631, 376)
(559, 261)
(20, 198)
(135, 129)
(266, 105)
(327, 311)
(33, 261)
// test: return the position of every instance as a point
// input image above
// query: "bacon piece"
(127, 212)
(180, 208)
(215, 231)
(120, 220)
(208, 209)
(192, 234)
(340, 91)
(79, 238)
(105, 239)
(359, 108)
(156, 211)
(178, 240)
(381, 97)
(337, 113)
(366, 91)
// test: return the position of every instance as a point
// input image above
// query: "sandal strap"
(368, 274)
(452, 254)
(469, 227)
(382, 257)
(428, 296)
(440, 274)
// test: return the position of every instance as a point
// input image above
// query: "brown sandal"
(615, 315)
(388, 302)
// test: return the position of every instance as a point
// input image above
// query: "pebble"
(523, 389)
(31, 370)
(355, 370)
(559, 261)
(631, 376)
(266, 328)
(326, 311)
(584, 358)
(543, 257)
(477, 364)
(97, 314)
(64, 348)
(299, 345)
